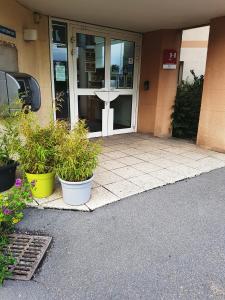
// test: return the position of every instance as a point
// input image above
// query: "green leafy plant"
(76, 155)
(37, 147)
(9, 136)
(12, 204)
(6, 260)
(186, 110)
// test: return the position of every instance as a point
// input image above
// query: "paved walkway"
(133, 163)
(166, 243)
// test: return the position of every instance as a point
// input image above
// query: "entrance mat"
(28, 250)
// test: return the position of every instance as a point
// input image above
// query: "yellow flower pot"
(42, 185)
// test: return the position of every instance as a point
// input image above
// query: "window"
(122, 64)
(90, 61)
(60, 69)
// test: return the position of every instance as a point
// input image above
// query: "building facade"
(120, 80)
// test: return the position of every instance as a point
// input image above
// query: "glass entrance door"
(90, 76)
(105, 85)
(122, 59)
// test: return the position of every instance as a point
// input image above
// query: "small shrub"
(76, 155)
(37, 147)
(186, 110)
(12, 204)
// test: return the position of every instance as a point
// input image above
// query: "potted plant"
(76, 159)
(37, 153)
(8, 141)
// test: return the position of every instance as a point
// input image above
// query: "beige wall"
(194, 58)
(150, 65)
(33, 57)
(194, 44)
(196, 34)
(155, 105)
(194, 51)
(211, 133)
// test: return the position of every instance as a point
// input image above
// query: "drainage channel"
(28, 250)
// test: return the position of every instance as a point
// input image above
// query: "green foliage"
(37, 147)
(185, 116)
(9, 137)
(76, 155)
(6, 260)
(12, 204)
(44, 149)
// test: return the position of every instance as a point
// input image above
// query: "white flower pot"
(76, 193)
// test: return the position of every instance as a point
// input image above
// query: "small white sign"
(60, 73)
(169, 67)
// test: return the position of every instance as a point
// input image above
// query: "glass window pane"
(90, 109)
(122, 64)
(122, 111)
(90, 61)
(60, 68)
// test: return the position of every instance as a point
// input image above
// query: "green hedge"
(186, 110)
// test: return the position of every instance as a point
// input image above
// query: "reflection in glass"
(122, 64)
(90, 109)
(90, 61)
(122, 111)
(60, 68)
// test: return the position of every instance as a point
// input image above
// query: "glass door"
(122, 59)
(90, 76)
(104, 82)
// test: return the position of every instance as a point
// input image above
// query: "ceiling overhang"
(134, 15)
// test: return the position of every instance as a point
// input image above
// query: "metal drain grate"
(28, 250)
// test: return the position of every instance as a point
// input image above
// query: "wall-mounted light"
(37, 18)
(30, 34)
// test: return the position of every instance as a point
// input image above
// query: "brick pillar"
(211, 131)
(155, 104)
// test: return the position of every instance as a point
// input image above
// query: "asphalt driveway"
(168, 243)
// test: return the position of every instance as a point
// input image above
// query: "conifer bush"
(186, 110)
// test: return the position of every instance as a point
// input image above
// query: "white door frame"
(108, 34)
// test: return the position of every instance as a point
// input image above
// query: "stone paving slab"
(133, 163)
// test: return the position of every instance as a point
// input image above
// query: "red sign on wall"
(169, 59)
